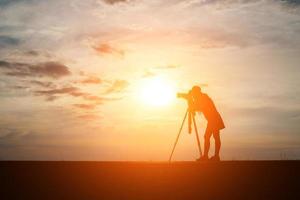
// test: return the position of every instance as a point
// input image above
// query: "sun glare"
(157, 92)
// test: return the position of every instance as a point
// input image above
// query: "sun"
(156, 91)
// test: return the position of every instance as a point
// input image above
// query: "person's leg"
(217, 138)
(207, 136)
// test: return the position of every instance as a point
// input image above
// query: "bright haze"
(97, 80)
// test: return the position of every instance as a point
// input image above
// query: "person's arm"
(197, 105)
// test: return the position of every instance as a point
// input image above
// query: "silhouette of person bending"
(203, 103)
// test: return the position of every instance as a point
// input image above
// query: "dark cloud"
(5, 3)
(291, 2)
(4, 64)
(52, 69)
(51, 98)
(36, 53)
(45, 84)
(6, 41)
(45, 69)
(105, 48)
(9, 133)
(4, 29)
(20, 74)
(19, 87)
(117, 86)
(32, 53)
(115, 1)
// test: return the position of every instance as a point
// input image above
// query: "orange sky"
(74, 75)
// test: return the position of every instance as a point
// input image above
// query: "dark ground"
(147, 180)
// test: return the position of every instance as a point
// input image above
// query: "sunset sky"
(79, 78)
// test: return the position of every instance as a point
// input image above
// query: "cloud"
(214, 38)
(105, 48)
(6, 41)
(32, 53)
(45, 84)
(111, 2)
(52, 69)
(218, 3)
(37, 53)
(226, 3)
(88, 117)
(53, 94)
(5, 3)
(45, 69)
(91, 80)
(292, 2)
(97, 99)
(66, 90)
(117, 86)
(20, 87)
(9, 133)
(85, 106)
(51, 98)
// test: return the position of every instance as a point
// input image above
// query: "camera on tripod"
(190, 114)
(190, 100)
(187, 96)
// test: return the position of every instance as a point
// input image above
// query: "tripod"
(191, 119)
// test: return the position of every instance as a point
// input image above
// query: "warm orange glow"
(156, 91)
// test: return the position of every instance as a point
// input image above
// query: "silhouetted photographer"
(201, 102)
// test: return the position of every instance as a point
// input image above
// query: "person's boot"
(215, 158)
(202, 158)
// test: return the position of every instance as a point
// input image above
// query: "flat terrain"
(150, 180)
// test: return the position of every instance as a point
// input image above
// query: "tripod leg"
(170, 158)
(190, 122)
(197, 136)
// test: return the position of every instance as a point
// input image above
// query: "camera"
(182, 95)
(186, 96)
